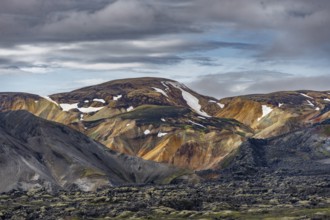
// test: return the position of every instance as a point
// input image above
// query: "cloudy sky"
(217, 47)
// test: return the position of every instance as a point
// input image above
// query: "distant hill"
(277, 113)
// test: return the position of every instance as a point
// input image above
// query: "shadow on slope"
(38, 153)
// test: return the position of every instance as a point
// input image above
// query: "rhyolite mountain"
(127, 94)
(164, 121)
(152, 118)
(35, 152)
(43, 107)
(277, 113)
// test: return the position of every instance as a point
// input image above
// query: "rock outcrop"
(303, 152)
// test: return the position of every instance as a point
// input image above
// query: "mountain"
(156, 119)
(304, 152)
(126, 94)
(169, 134)
(277, 113)
(164, 121)
(152, 118)
(42, 107)
(38, 153)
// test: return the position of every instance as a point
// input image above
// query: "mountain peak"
(126, 94)
(127, 83)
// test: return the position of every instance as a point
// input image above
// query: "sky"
(219, 48)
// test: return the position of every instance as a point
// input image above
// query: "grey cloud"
(297, 28)
(126, 51)
(146, 52)
(22, 21)
(253, 82)
(62, 20)
(205, 61)
(52, 21)
(158, 45)
(7, 63)
(162, 60)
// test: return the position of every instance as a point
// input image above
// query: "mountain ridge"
(38, 153)
(163, 120)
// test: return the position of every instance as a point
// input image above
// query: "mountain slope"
(43, 107)
(177, 127)
(174, 135)
(156, 119)
(35, 152)
(164, 121)
(303, 152)
(277, 113)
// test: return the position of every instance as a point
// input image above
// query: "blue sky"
(217, 47)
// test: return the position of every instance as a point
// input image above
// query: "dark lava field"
(262, 196)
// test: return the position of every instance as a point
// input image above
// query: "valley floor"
(260, 197)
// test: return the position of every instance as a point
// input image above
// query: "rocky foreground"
(260, 197)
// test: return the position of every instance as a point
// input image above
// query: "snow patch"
(307, 96)
(99, 100)
(49, 99)
(221, 105)
(176, 84)
(160, 91)
(130, 108)
(310, 103)
(117, 97)
(191, 100)
(197, 124)
(81, 117)
(36, 102)
(163, 119)
(317, 109)
(328, 100)
(201, 117)
(86, 101)
(146, 132)
(280, 105)
(265, 111)
(128, 125)
(160, 134)
(90, 109)
(67, 107)
(166, 87)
